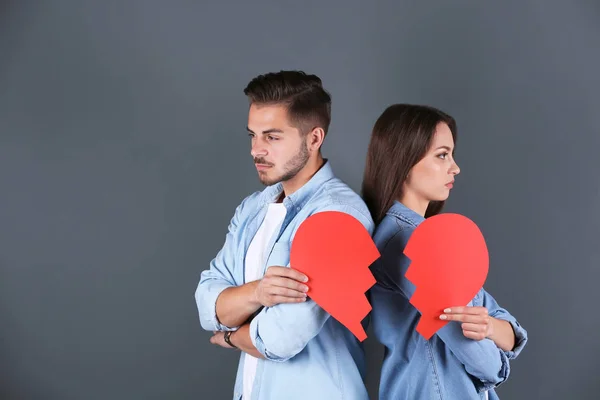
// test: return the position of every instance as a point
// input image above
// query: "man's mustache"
(262, 161)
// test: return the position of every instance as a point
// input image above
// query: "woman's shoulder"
(392, 231)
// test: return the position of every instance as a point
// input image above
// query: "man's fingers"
(287, 283)
(285, 292)
(295, 275)
(285, 299)
(287, 273)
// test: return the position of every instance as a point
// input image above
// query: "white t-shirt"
(254, 263)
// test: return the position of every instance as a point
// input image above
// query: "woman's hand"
(475, 322)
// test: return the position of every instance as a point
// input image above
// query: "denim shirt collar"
(405, 214)
(300, 197)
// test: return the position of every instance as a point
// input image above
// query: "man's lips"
(262, 167)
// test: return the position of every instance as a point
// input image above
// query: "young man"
(249, 297)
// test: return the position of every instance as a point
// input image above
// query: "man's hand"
(218, 338)
(281, 285)
(476, 323)
(235, 305)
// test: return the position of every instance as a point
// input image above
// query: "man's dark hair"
(308, 104)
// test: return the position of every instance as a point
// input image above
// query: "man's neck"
(302, 177)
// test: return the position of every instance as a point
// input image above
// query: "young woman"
(409, 173)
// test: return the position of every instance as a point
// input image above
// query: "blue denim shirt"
(448, 365)
(308, 354)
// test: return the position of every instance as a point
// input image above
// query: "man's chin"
(266, 181)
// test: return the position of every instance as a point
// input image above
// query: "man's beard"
(291, 167)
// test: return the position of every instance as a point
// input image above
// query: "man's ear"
(315, 139)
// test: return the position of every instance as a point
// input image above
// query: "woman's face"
(433, 176)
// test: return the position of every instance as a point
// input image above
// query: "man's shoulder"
(336, 195)
(250, 202)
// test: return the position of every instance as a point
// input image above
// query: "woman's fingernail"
(447, 310)
(443, 316)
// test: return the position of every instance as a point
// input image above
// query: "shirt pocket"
(280, 255)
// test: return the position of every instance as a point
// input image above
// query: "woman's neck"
(418, 205)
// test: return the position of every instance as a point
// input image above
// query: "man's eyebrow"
(266, 132)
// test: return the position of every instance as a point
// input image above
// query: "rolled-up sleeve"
(282, 331)
(482, 359)
(498, 312)
(217, 278)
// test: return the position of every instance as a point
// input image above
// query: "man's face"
(279, 150)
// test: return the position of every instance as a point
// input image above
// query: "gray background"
(123, 155)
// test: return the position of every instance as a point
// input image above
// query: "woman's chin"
(442, 197)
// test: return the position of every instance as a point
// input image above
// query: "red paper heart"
(335, 251)
(449, 264)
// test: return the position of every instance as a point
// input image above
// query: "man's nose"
(258, 149)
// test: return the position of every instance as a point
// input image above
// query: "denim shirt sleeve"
(498, 312)
(487, 364)
(483, 360)
(218, 278)
(282, 331)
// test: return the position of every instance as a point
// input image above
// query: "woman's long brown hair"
(401, 137)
